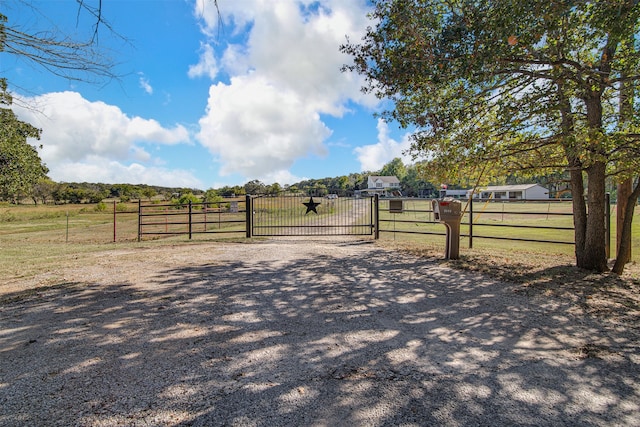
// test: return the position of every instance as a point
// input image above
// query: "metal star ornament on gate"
(311, 206)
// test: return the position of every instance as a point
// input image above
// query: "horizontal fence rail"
(222, 217)
(538, 221)
(551, 219)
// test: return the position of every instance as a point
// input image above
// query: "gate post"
(114, 221)
(248, 214)
(471, 221)
(376, 209)
(190, 221)
(607, 225)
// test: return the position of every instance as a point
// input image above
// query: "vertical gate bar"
(289, 208)
(376, 203)
(248, 209)
(278, 209)
(292, 219)
(340, 208)
(190, 221)
(367, 217)
(341, 221)
(279, 212)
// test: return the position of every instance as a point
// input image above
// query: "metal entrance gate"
(311, 216)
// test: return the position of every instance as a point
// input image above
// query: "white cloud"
(233, 13)
(282, 81)
(75, 128)
(207, 66)
(282, 177)
(234, 60)
(145, 85)
(374, 157)
(92, 141)
(103, 170)
(257, 129)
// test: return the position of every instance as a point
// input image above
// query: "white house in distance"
(513, 192)
(384, 185)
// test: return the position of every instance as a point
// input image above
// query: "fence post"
(471, 221)
(114, 221)
(139, 220)
(190, 220)
(376, 208)
(607, 224)
(248, 211)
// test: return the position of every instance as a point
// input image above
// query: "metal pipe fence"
(221, 217)
(541, 221)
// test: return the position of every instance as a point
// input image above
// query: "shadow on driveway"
(379, 338)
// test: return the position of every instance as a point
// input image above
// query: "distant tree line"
(412, 184)
(46, 191)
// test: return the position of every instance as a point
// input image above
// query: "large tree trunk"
(579, 213)
(576, 178)
(624, 248)
(594, 255)
(625, 188)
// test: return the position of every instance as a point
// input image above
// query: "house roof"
(388, 179)
(518, 187)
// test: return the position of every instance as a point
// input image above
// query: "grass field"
(497, 219)
(34, 239)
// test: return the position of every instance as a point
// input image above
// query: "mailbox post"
(449, 212)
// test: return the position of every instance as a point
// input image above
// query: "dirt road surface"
(304, 333)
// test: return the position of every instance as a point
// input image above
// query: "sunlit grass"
(39, 238)
(492, 220)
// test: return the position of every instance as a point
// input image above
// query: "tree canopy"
(514, 87)
(20, 165)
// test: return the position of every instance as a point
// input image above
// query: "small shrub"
(8, 217)
(101, 207)
(121, 207)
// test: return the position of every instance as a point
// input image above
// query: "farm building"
(456, 194)
(513, 192)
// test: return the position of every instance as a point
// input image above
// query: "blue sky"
(203, 105)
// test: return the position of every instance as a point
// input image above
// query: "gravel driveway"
(297, 333)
